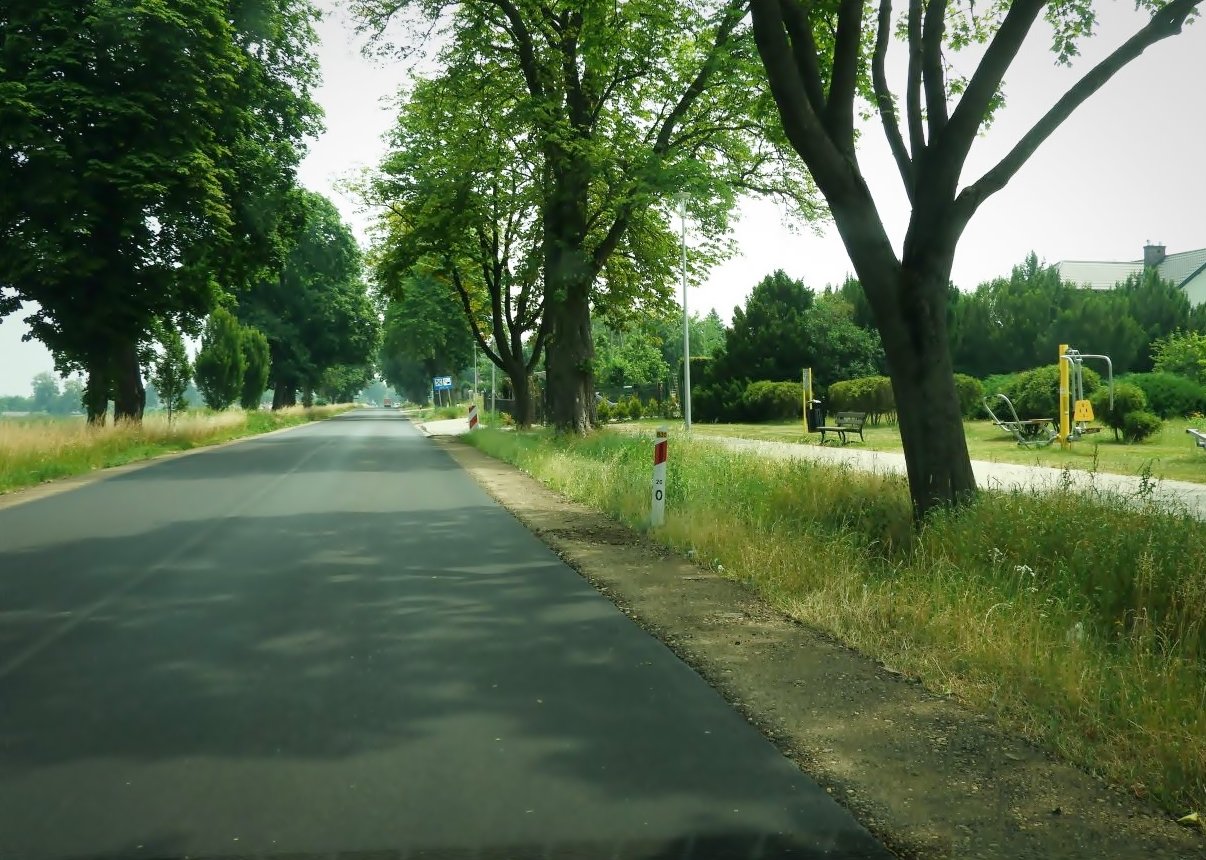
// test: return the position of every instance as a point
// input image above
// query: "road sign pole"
(472, 416)
(660, 450)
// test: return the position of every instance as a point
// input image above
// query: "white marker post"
(472, 417)
(658, 511)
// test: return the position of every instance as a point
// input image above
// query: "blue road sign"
(442, 383)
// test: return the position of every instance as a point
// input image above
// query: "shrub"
(971, 394)
(1127, 398)
(602, 411)
(1138, 425)
(634, 407)
(653, 407)
(1035, 393)
(1170, 395)
(720, 401)
(1182, 353)
(773, 401)
(870, 394)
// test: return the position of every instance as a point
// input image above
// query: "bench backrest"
(850, 419)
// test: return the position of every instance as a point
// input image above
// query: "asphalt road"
(330, 642)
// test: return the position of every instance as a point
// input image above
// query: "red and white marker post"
(473, 417)
(657, 515)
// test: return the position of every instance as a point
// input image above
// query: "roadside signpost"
(658, 511)
(440, 383)
(472, 417)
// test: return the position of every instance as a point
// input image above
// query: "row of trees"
(148, 157)
(534, 172)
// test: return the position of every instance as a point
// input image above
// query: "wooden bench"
(845, 423)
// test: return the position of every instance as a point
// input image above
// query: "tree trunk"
(914, 330)
(284, 394)
(96, 393)
(130, 395)
(569, 357)
(308, 396)
(521, 387)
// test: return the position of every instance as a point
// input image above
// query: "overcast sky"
(1126, 168)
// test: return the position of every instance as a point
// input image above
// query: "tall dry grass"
(1075, 617)
(34, 450)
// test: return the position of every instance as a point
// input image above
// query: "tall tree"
(45, 392)
(462, 193)
(823, 59)
(424, 325)
(120, 207)
(627, 104)
(257, 359)
(171, 371)
(220, 364)
(316, 313)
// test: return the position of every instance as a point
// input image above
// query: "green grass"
(1170, 454)
(38, 449)
(1074, 617)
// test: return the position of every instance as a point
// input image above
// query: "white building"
(1187, 270)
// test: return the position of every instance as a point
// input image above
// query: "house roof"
(1096, 276)
(1177, 268)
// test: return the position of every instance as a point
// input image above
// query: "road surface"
(330, 642)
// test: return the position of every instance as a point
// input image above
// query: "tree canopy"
(148, 147)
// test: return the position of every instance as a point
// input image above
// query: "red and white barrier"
(473, 417)
(660, 453)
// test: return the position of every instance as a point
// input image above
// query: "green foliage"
(870, 394)
(1035, 393)
(257, 359)
(1128, 398)
(971, 395)
(629, 357)
(1170, 395)
(719, 400)
(146, 149)
(1139, 425)
(171, 372)
(220, 363)
(603, 411)
(317, 314)
(1183, 353)
(784, 328)
(773, 401)
(633, 407)
(45, 392)
(1009, 325)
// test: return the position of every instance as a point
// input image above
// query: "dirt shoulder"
(926, 775)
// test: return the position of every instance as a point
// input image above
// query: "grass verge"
(1169, 454)
(36, 450)
(1072, 616)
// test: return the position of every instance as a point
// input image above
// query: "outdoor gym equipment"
(1199, 437)
(1075, 411)
(1030, 432)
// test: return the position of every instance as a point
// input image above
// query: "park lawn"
(36, 449)
(1170, 454)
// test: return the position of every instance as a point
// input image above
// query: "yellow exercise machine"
(1075, 411)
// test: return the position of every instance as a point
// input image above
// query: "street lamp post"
(682, 214)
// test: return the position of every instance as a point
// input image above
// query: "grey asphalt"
(330, 642)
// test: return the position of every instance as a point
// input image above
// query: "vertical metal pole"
(475, 371)
(1065, 431)
(493, 395)
(682, 203)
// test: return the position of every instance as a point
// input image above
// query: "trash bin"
(814, 417)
